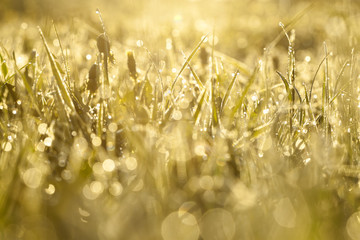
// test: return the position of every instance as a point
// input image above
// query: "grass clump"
(202, 144)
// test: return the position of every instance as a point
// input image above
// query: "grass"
(176, 136)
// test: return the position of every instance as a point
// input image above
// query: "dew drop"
(139, 43)
(7, 147)
(112, 127)
(50, 189)
(42, 128)
(177, 115)
(48, 141)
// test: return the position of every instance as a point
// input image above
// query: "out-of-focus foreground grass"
(183, 120)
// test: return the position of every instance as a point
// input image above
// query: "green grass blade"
(289, 25)
(187, 61)
(313, 80)
(215, 119)
(242, 67)
(198, 81)
(325, 93)
(228, 91)
(245, 91)
(287, 85)
(59, 80)
(62, 54)
(4, 68)
(199, 106)
(100, 120)
(256, 132)
(347, 63)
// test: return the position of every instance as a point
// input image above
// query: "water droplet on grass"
(7, 147)
(139, 43)
(42, 128)
(112, 127)
(40, 147)
(177, 115)
(50, 189)
(48, 141)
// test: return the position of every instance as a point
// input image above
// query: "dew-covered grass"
(180, 120)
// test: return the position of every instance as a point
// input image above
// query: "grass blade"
(59, 80)
(62, 54)
(347, 63)
(187, 61)
(228, 91)
(325, 93)
(287, 85)
(313, 80)
(100, 120)
(242, 67)
(199, 106)
(215, 119)
(198, 81)
(246, 89)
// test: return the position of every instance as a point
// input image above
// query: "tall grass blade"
(228, 91)
(63, 55)
(338, 78)
(325, 93)
(313, 80)
(100, 120)
(242, 67)
(28, 89)
(289, 25)
(245, 91)
(214, 110)
(59, 80)
(197, 79)
(286, 83)
(187, 61)
(199, 106)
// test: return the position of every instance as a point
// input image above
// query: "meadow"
(174, 120)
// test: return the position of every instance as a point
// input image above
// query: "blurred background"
(241, 26)
(235, 22)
